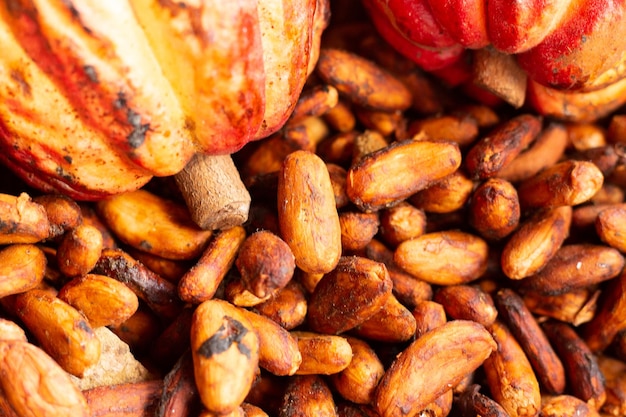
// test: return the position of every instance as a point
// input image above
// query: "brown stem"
(214, 192)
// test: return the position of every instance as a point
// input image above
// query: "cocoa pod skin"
(510, 376)
(35, 385)
(575, 266)
(22, 267)
(527, 331)
(307, 213)
(498, 148)
(581, 365)
(392, 174)
(443, 258)
(347, 296)
(225, 351)
(430, 366)
(307, 395)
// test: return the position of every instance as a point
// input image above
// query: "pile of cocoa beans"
(412, 249)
